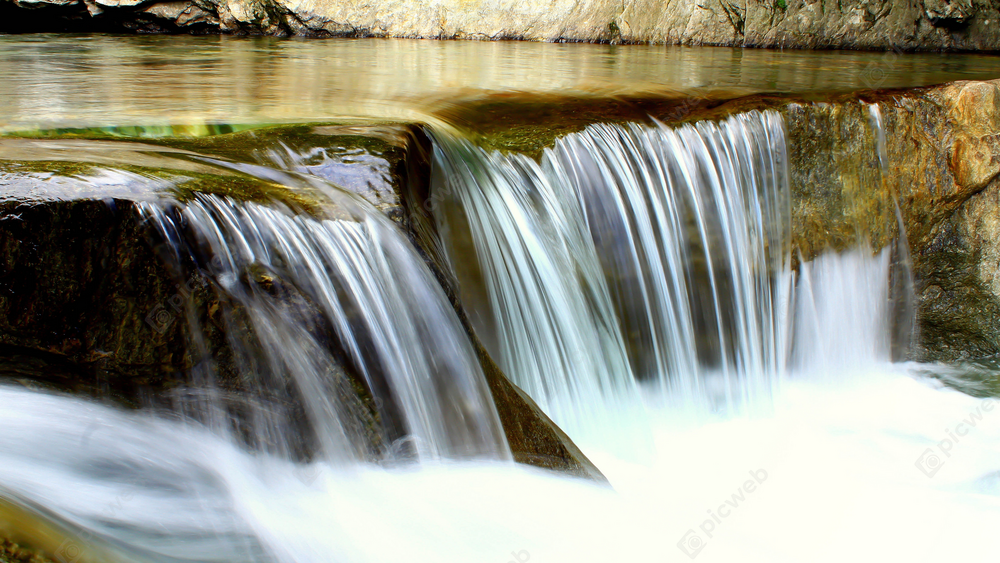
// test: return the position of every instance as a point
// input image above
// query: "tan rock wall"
(852, 24)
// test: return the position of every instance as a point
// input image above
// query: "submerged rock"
(879, 24)
(11, 552)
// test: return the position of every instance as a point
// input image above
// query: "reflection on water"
(60, 81)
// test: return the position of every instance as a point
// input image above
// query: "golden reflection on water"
(49, 81)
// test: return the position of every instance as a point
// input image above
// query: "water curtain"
(345, 314)
(626, 254)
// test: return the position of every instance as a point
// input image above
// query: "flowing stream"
(636, 281)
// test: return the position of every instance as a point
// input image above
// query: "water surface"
(49, 81)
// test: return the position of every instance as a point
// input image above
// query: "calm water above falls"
(84, 81)
(743, 412)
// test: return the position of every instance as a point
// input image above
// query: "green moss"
(180, 185)
(242, 146)
(134, 131)
(47, 167)
(614, 33)
(530, 123)
(236, 186)
(780, 4)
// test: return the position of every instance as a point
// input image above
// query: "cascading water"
(402, 338)
(309, 305)
(634, 269)
(628, 254)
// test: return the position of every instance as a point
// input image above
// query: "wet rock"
(77, 285)
(926, 159)
(89, 304)
(948, 13)
(975, 112)
(182, 14)
(534, 439)
(959, 293)
(941, 153)
(11, 552)
(85, 295)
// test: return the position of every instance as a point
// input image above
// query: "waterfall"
(630, 272)
(319, 304)
(843, 315)
(627, 254)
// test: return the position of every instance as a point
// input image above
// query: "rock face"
(936, 154)
(942, 160)
(854, 24)
(958, 262)
(858, 24)
(87, 303)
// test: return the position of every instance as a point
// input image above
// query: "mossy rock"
(11, 552)
(368, 160)
(90, 306)
(528, 124)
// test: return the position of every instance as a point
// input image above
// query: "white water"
(840, 454)
(393, 324)
(628, 254)
(849, 458)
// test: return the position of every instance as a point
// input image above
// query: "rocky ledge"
(89, 305)
(818, 24)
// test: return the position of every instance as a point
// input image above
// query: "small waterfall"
(322, 306)
(902, 290)
(875, 121)
(843, 312)
(628, 254)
